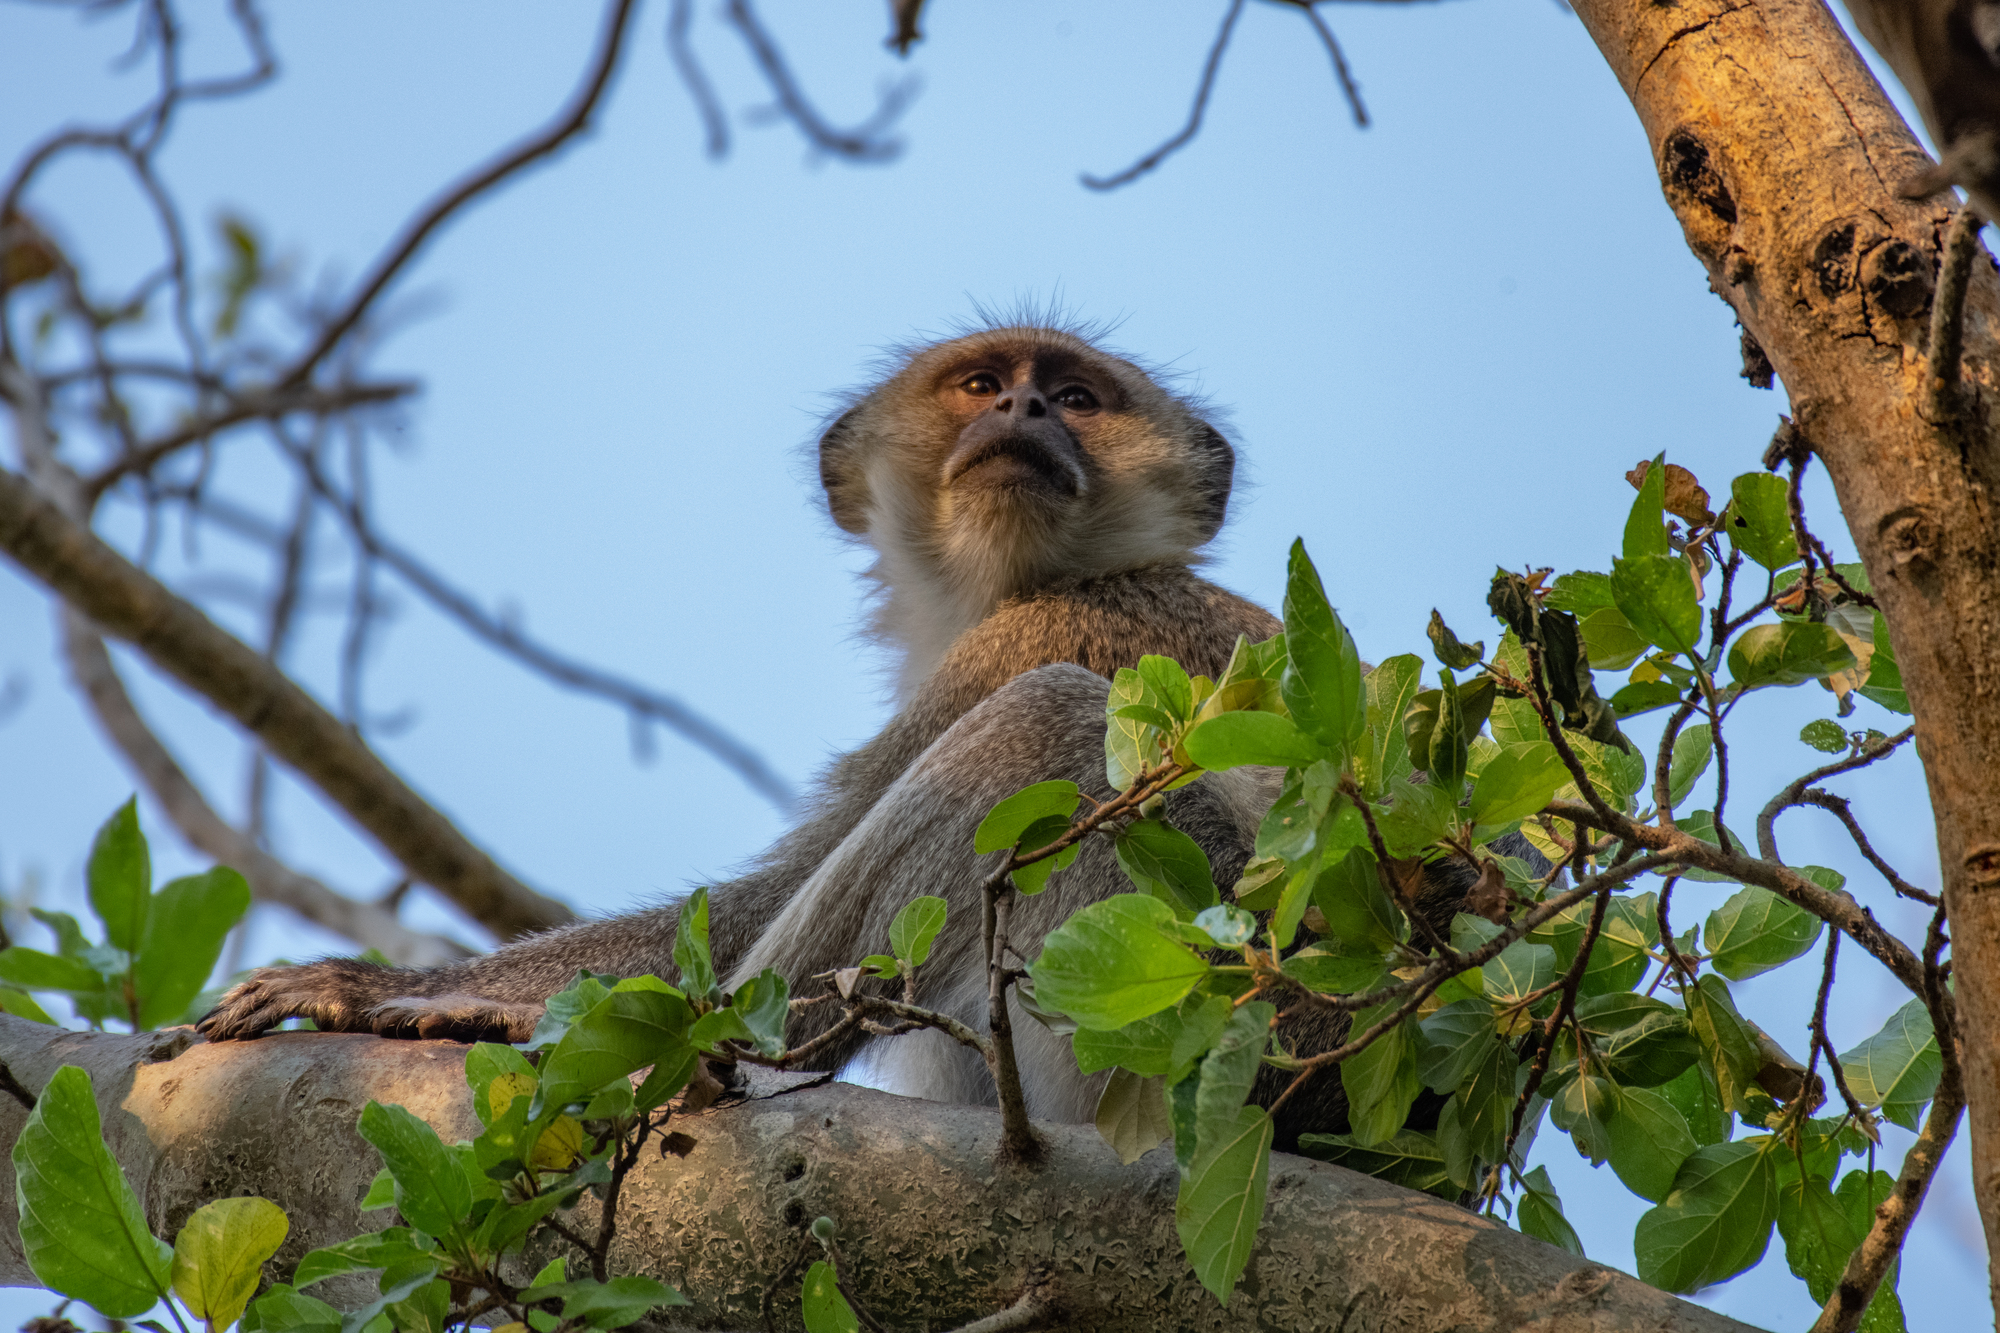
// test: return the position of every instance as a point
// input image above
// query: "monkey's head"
(1013, 458)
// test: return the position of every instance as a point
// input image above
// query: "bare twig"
(639, 700)
(863, 143)
(1193, 126)
(1017, 1142)
(1840, 808)
(1871, 1259)
(1348, 87)
(571, 121)
(695, 79)
(1571, 980)
(1036, 1308)
(1821, 1045)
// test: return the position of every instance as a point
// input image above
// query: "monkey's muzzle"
(1041, 460)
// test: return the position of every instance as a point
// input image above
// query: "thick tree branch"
(931, 1233)
(130, 604)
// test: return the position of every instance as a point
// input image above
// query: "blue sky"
(1439, 343)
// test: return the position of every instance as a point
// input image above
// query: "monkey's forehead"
(1050, 349)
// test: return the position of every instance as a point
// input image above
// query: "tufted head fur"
(1009, 460)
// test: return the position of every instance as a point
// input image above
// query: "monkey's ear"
(840, 473)
(1214, 465)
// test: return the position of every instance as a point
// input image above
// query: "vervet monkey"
(1036, 506)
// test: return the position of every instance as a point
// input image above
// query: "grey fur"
(1010, 641)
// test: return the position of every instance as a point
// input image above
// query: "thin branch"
(1036, 1308)
(1571, 980)
(863, 143)
(259, 406)
(1820, 1042)
(570, 122)
(1794, 794)
(127, 602)
(1017, 1139)
(1947, 344)
(1840, 808)
(369, 925)
(1193, 126)
(1348, 87)
(695, 79)
(637, 699)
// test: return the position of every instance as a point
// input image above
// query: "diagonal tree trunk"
(1782, 158)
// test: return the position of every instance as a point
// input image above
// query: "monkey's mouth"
(1015, 462)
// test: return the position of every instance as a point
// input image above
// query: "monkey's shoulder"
(1110, 621)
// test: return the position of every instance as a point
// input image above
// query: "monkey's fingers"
(454, 1017)
(334, 994)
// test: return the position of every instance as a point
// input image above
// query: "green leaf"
(1730, 1046)
(1221, 1200)
(1657, 595)
(1610, 640)
(1131, 744)
(1645, 525)
(1322, 680)
(1335, 967)
(423, 1310)
(1649, 1141)
(1411, 1159)
(1701, 824)
(219, 1256)
(1445, 645)
(121, 877)
(1619, 958)
(1825, 736)
(1455, 1039)
(624, 1032)
(1004, 826)
(485, 1062)
(34, 970)
(1695, 1095)
(1755, 931)
(1517, 782)
(1381, 1080)
(1693, 748)
(1791, 652)
(824, 1309)
(1168, 682)
(692, 959)
(381, 1191)
(185, 927)
(1898, 1068)
(1760, 520)
(1167, 863)
(392, 1247)
(1167, 1044)
(1885, 679)
(1644, 696)
(431, 1189)
(1386, 754)
(1229, 1070)
(1114, 962)
(1359, 915)
(613, 1304)
(1584, 1109)
(284, 1310)
(1519, 969)
(915, 927)
(1229, 740)
(1033, 877)
(1817, 1236)
(1714, 1223)
(1638, 1040)
(1540, 1213)
(1132, 1114)
(1580, 593)
(82, 1230)
(22, 1005)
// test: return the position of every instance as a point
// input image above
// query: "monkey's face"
(995, 463)
(1022, 421)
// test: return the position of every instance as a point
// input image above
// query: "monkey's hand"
(348, 995)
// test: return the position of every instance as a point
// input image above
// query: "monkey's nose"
(1030, 401)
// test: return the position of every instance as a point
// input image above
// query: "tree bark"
(1782, 159)
(933, 1231)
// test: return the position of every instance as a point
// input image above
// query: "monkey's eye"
(983, 384)
(1077, 398)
